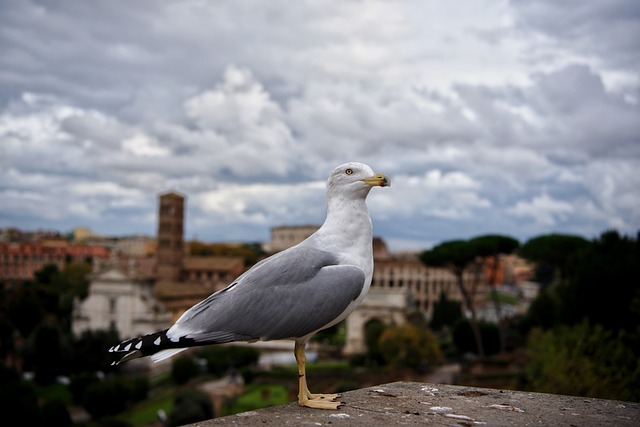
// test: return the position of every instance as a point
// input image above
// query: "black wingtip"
(141, 346)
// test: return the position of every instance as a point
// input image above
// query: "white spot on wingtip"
(157, 341)
(127, 347)
(139, 345)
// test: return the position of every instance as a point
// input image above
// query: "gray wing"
(288, 295)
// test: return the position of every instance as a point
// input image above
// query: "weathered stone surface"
(410, 403)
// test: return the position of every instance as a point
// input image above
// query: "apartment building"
(20, 261)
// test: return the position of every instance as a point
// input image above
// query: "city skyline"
(490, 117)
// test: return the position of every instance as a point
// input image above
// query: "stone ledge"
(411, 403)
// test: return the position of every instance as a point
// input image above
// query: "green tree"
(107, 397)
(183, 369)
(491, 247)
(21, 311)
(56, 414)
(458, 256)
(584, 360)
(603, 287)
(445, 313)
(546, 311)
(606, 284)
(590, 344)
(18, 400)
(80, 383)
(139, 387)
(49, 297)
(48, 353)
(47, 274)
(190, 406)
(65, 287)
(464, 342)
(335, 335)
(558, 252)
(409, 346)
(89, 353)
(222, 358)
(24, 309)
(372, 331)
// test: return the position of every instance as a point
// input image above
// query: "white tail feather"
(165, 354)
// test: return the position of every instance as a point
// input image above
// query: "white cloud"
(248, 125)
(436, 194)
(499, 117)
(543, 209)
(264, 204)
(143, 146)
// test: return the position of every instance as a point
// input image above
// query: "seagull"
(290, 295)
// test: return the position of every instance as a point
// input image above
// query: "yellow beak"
(378, 180)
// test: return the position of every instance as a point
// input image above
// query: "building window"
(112, 304)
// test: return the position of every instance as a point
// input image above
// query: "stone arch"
(387, 305)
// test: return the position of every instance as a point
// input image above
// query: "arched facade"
(387, 305)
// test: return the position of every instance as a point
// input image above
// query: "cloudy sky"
(512, 117)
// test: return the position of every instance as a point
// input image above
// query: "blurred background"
(150, 152)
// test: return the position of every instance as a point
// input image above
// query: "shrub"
(56, 414)
(79, 385)
(107, 397)
(373, 329)
(139, 388)
(18, 400)
(190, 406)
(183, 369)
(409, 346)
(222, 358)
(465, 342)
(583, 360)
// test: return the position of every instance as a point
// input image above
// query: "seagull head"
(355, 179)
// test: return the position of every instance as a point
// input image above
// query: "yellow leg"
(305, 398)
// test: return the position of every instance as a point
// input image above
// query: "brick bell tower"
(170, 252)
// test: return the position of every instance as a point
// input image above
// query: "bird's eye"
(349, 171)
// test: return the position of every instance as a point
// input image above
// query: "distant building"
(183, 280)
(199, 278)
(528, 292)
(286, 236)
(136, 256)
(151, 282)
(14, 235)
(425, 284)
(20, 261)
(170, 251)
(136, 267)
(212, 270)
(80, 234)
(136, 246)
(119, 303)
(399, 285)
(9, 235)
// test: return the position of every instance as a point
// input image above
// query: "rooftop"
(412, 403)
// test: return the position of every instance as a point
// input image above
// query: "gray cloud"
(607, 29)
(510, 121)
